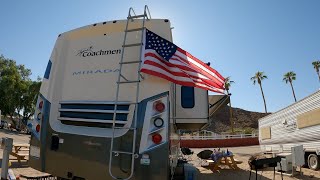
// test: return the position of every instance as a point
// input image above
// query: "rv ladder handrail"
(133, 153)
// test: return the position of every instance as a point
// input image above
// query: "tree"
(29, 99)
(316, 66)
(289, 77)
(259, 77)
(15, 87)
(227, 85)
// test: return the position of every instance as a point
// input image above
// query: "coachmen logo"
(90, 52)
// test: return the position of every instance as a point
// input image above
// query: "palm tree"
(316, 66)
(289, 77)
(258, 77)
(227, 84)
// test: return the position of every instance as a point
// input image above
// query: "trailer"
(297, 124)
(98, 117)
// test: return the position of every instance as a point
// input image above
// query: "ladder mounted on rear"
(125, 80)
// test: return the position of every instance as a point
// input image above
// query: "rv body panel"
(291, 126)
(192, 110)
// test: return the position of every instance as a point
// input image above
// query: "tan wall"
(265, 133)
(308, 119)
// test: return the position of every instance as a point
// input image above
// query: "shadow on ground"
(16, 164)
(13, 132)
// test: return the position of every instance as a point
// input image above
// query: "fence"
(219, 136)
(225, 140)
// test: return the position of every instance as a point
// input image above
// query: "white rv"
(97, 117)
(297, 124)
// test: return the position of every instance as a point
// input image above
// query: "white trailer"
(297, 124)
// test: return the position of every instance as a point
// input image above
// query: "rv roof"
(290, 105)
(105, 28)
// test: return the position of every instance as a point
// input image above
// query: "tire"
(313, 162)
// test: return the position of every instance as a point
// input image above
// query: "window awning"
(216, 102)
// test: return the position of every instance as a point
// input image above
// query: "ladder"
(124, 80)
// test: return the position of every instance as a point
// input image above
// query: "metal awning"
(216, 102)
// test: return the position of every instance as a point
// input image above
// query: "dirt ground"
(241, 154)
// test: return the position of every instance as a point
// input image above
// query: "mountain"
(243, 120)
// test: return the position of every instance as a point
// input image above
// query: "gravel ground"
(241, 154)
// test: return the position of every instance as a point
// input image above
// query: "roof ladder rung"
(136, 29)
(130, 45)
(137, 16)
(122, 152)
(123, 82)
(130, 62)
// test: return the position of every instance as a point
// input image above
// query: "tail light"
(40, 105)
(156, 123)
(39, 114)
(156, 138)
(159, 106)
(38, 128)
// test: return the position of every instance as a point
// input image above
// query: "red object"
(215, 143)
(157, 138)
(159, 106)
(164, 59)
(38, 128)
(40, 105)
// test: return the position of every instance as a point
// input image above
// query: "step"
(137, 16)
(123, 152)
(136, 29)
(126, 82)
(130, 62)
(131, 45)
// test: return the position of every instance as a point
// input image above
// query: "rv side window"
(187, 97)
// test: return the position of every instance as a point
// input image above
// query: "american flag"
(166, 60)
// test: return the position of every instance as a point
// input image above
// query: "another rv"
(91, 122)
(297, 124)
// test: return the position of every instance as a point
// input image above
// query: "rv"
(98, 117)
(297, 124)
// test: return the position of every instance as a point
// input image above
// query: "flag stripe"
(202, 64)
(183, 82)
(180, 65)
(198, 66)
(182, 72)
(182, 78)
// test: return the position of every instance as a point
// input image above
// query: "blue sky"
(238, 37)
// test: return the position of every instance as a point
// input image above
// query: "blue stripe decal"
(48, 70)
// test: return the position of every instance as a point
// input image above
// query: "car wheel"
(313, 162)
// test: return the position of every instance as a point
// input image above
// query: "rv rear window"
(47, 73)
(187, 97)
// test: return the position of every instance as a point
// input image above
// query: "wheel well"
(306, 155)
